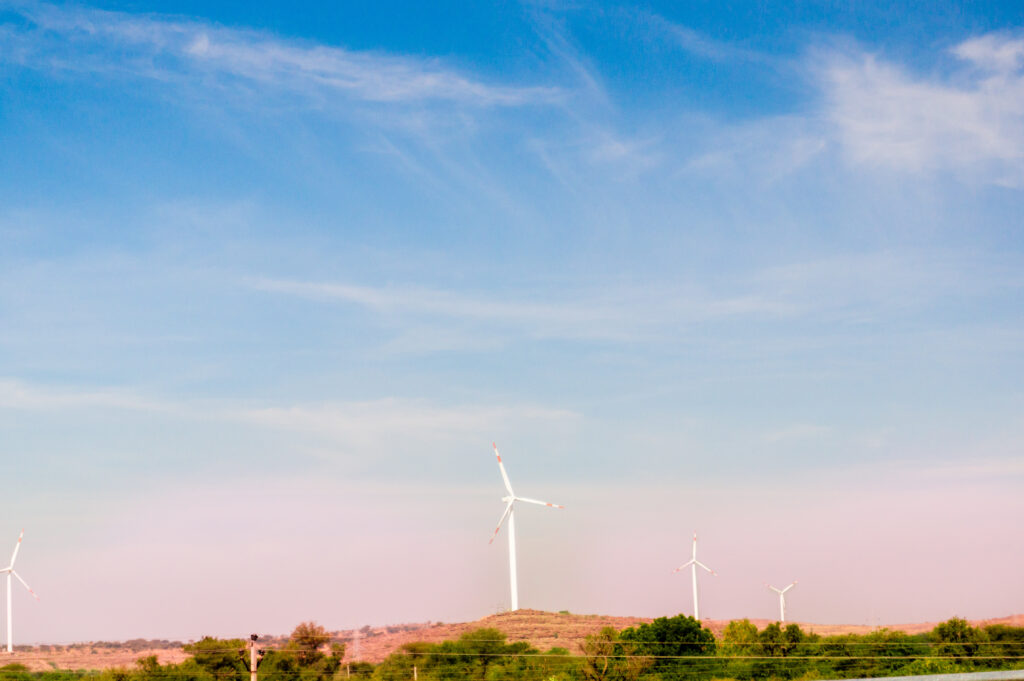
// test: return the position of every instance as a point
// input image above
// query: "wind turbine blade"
(17, 547)
(684, 565)
(508, 509)
(706, 567)
(773, 588)
(25, 584)
(541, 503)
(787, 588)
(504, 475)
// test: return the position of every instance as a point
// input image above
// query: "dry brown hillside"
(546, 630)
(543, 630)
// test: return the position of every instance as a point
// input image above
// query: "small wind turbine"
(509, 513)
(782, 599)
(693, 563)
(10, 571)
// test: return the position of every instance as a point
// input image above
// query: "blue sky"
(265, 268)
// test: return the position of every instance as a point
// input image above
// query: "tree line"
(667, 649)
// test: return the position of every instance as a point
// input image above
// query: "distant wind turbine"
(509, 513)
(10, 572)
(782, 599)
(693, 563)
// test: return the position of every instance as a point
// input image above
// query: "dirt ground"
(89, 658)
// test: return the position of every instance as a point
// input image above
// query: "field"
(544, 630)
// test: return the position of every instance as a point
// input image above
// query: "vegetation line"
(667, 649)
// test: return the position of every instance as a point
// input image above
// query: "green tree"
(476, 654)
(223, 659)
(773, 642)
(522, 662)
(738, 648)
(838, 655)
(399, 665)
(792, 637)
(148, 665)
(360, 669)
(149, 669)
(739, 639)
(677, 636)
(15, 672)
(957, 639)
(484, 648)
(607, 658)
(670, 642)
(1005, 645)
(889, 651)
(395, 667)
(306, 641)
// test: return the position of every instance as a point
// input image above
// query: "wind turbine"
(693, 563)
(782, 599)
(10, 571)
(509, 513)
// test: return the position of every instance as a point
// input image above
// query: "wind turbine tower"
(692, 564)
(509, 513)
(782, 599)
(10, 572)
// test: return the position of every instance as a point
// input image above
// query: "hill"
(543, 630)
(546, 630)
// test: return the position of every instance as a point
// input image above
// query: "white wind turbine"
(510, 514)
(10, 572)
(782, 599)
(693, 563)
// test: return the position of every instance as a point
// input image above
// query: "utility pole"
(252, 657)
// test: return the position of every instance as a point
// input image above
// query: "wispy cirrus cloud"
(439, 302)
(995, 52)
(160, 48)
(971, 123)
(328, 429)
(638, 314)
(858, 288)
(875, 112)
(697, 43)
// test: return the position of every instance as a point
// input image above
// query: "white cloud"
(993, 52)
(164, 49)
(366, 425)
(764, 151)
(697, 43)
(642, 313)
(970, 125)
(855, 288)
(437, 302)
